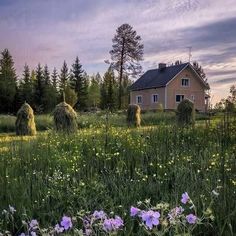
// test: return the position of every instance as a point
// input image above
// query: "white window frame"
(137, 99)
(152, 98)
(193, 97)
(180, 99)
(185, 78)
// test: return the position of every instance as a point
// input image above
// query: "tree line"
(43, 89)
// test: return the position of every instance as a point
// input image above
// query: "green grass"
(97, 120)
(113, 167)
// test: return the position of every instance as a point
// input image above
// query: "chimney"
(162, 66)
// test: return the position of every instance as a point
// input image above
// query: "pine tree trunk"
(121, 74)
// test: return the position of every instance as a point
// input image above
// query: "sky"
(51, 31)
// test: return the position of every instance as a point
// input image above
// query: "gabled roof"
(159, 77)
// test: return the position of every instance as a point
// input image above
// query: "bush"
(134, 115)
(25, 124)
(186, 113)
(65, 118)
(160, 107)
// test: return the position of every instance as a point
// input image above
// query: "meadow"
(108, 166)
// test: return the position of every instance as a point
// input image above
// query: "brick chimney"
(162, 65)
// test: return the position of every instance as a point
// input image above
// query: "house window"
(139, 99)
(154, 98)
(193, 98)
(185, 82)
(179, 98)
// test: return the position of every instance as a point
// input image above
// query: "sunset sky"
(51, 31)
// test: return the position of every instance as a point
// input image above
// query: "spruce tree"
(126, 53)
(79, 82)
(64, 77)
(39, 89)
(8, 83)
(26, 87)
(54, 78)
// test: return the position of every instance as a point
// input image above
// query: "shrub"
(134, 115)
(25, 124)
(186, 112)
(160, 107)
(65, 118)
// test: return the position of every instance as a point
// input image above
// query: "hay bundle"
(25, 124)
(65, 118)
(186, 113)
(134, 115)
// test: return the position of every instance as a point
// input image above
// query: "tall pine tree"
(8, 83)
(79, 83)
(64, 77)
(26, 87)
(39, 89)
(126, 53)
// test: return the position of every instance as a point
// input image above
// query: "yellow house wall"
(146, 94)
(195, 88)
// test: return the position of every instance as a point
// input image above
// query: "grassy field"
(112, 167)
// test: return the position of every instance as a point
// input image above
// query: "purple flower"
(185, 198)
(22, 234)
(112, 224)
(66, 222)
(33, 233)
(191, 219)
(99, 214)
(88, 232)
(34, 224)
(58, 228)
(150, 218)
(134, 211)
(175, 212)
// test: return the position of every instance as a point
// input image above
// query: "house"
(169, 86)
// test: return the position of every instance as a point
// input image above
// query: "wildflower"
(34, 224)
(215, 193)
(175, 212)
(134, 211)
(191, 219)
(12, 209)
(58, 228)
(22, 234)
(88, 232)
(33, 234)
(66, 222)
(185, 198)
(99, 214)
(150, 218)
(112, 224)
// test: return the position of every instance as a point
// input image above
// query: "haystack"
(65, 118)
(186, 113)
(134, 115)
(25, 124)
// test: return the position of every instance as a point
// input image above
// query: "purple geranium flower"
(34, 224)
(58, 228)
(66, 222)
(185, 198)
(134, 211)
(191, 219)
(112, 224)
(150, 218)
(33, 233)
(175, 212)
(99, 214)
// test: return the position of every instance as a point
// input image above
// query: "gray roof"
(157, 77)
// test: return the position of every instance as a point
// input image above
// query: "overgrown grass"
(96, 120)
(112, 168)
